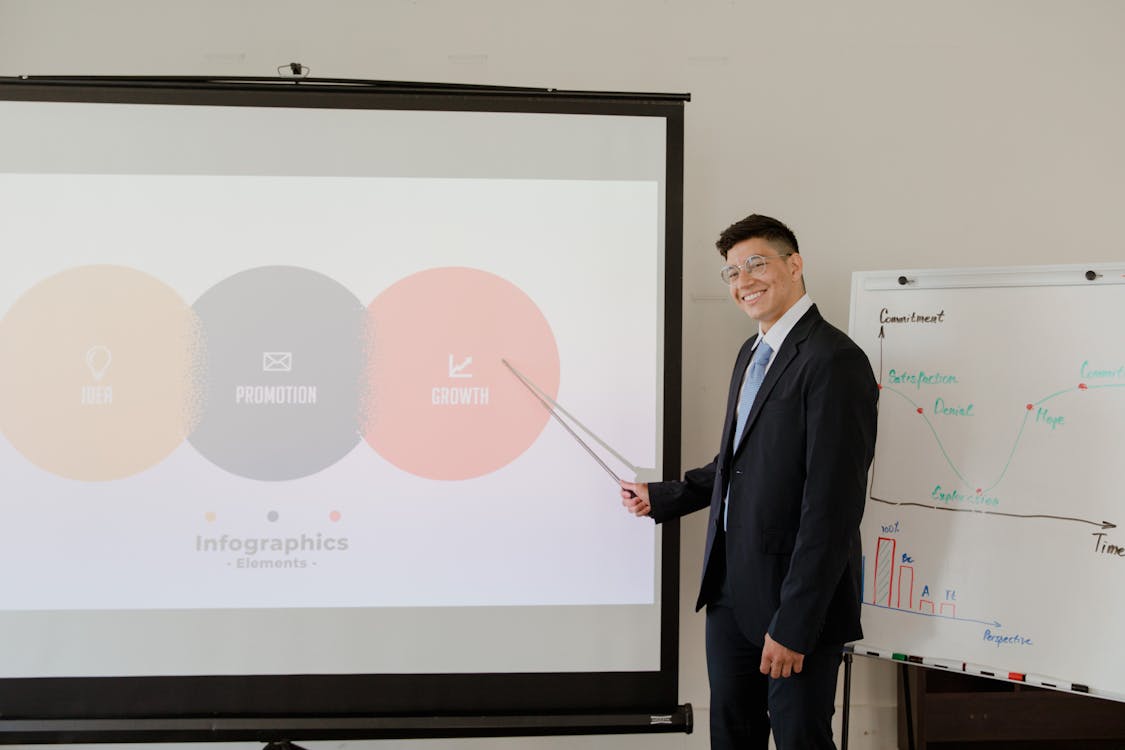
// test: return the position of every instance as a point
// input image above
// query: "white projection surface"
(254, 416)
(992, 535)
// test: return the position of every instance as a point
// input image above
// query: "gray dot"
(273, 515)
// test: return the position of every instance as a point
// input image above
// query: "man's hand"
(778, 661)
(635, 498)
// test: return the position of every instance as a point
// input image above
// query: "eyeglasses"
(754, 265)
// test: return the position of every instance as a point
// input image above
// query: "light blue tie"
(750, 386)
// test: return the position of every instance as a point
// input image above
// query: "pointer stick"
(573, 434)
(576, 423)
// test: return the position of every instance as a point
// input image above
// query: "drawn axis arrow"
(992, 623)
(1099, 524)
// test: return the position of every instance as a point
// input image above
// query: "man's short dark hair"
(756, 225)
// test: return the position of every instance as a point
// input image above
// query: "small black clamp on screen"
(293, 70)
(1092, 275)
(903, 281)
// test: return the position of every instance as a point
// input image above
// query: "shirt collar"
(778, 332)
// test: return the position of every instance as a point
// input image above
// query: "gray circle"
(273, 515)
(282, 365)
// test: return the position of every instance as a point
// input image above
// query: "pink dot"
(334, 515)
(919, 409)
(1082, 386)
(978, 490)
(1030, 407)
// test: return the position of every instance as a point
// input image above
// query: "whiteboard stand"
(905, 669)
(847, 700)
(847, 707)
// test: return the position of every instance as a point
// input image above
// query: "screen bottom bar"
(288, 730)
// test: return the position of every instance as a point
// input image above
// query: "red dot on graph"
(1082, 386)
(978, 490)
(334, 516)
(1030, 407)
(919, 409)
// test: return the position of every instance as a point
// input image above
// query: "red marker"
(1082, 386)
(1030, 407)
(1017, 676)
(919, 409)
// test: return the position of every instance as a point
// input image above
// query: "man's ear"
(797, 265)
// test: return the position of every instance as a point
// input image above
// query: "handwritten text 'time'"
(1103, 546)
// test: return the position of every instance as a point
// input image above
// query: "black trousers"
(746, 704)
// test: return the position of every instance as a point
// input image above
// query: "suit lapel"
(781, 361)
(740, 366)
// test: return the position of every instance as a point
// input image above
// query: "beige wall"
(887, 133)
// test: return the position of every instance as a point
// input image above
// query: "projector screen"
(269, 425)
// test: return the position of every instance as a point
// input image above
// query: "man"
(781, 571)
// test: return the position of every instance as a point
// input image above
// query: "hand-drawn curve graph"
(991, 530)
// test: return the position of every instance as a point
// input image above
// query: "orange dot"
(334, 515)
(210, 516)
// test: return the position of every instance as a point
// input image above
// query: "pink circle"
(334, 515)
(440, 403)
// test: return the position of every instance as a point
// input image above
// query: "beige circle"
(96, 382)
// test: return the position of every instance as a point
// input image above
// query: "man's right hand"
(634, 496)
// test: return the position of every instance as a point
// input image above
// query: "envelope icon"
(277, 361)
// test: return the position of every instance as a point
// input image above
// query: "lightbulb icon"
(98, 359)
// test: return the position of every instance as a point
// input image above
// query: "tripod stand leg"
(847, 708)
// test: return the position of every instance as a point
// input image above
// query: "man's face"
(767, 294)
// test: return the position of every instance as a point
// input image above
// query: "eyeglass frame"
(752, 264)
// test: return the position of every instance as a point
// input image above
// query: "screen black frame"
(353, 706)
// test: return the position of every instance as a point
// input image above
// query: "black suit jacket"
(798, 482)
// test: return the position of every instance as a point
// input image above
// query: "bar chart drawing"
(884, 570)
(894, 586)
(905, 582)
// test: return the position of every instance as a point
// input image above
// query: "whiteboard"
(994, 534)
